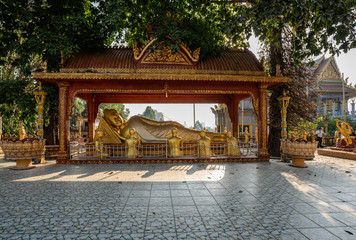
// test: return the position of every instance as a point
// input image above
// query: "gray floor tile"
(317, 234)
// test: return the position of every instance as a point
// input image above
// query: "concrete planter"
(23, 151)
(298, 151)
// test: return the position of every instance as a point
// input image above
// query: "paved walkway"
(180, 201)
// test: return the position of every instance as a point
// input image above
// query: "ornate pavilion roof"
(122, 60)
(328, 78)
(139, 63)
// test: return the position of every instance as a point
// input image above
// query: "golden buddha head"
(132, 132)
(229, 134)
(202, 134)
(99, 134)
(114, 118)
(174, 132)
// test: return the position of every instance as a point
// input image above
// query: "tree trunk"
(276, 59)
(275, 120)
(51, 131)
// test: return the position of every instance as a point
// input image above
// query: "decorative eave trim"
(157, 76)
(160, 71)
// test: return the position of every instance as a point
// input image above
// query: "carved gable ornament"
(330, 72)
(165, 56)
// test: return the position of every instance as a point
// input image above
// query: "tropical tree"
(198, 125)
(294, 31)
(291, 30)
(118, 107)
(149, 113)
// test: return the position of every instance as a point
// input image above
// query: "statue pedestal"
(23, 164)
(342, 144)
(298, 162)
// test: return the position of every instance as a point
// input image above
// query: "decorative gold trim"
(165, 56)
(139, 52)
(157, 71)
(194, 56)
(168, 77)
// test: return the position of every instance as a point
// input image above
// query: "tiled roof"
(122, 60)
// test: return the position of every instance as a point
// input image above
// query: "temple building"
(135, 75)
(333, 90)
(246, 118)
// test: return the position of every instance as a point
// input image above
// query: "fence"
(162, 150)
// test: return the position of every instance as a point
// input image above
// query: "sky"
(183, 113)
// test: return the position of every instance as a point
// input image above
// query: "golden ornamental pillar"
(79, 120)
(40, 96)
(62, 128)
(263, 148)
(283, 103)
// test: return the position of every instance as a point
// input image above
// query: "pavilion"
(135, 75)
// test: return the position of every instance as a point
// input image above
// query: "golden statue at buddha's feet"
(115, 129)
(175, 143)
(232, 145)
(131, 144)
(99, 146)
(204, 145)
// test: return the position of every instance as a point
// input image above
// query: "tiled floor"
(180, 201)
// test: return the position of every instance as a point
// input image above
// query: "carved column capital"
(63, 85)
(263, 86)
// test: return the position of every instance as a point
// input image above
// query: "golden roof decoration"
(184, 56)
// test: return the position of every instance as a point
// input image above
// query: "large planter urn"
(23, 151)
(298, 151)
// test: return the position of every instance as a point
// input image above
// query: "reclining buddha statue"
(115, 129)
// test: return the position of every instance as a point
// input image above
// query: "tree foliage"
(294, 31)
(118, 107)
(149, 113)
(33, 31)
(17, 106)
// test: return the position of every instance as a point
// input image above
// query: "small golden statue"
(99, 145)
(256, 134)
(305, 135)
(225, 129)
(204, 145)
(295, 135)
(131, 143)
(175, 143)
(22, 133)
(313, 136)
(246, 134)
(232, 145)
(345, 130)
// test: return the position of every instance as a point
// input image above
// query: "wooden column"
(63, 138)
(262, 121)
(233, 108)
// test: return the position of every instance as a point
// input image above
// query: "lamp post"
(283, 103)
(40, 99)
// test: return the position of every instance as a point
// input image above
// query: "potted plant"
(301, 143)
